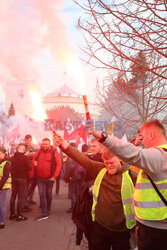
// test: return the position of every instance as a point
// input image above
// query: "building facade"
(67, 97)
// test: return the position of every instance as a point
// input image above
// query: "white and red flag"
(82, 136)
(69, 133)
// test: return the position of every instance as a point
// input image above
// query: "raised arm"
(152, 159)
(92, 167)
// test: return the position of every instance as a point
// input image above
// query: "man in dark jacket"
(19, 171)
(96, 150)
(48, 165)
(73, 176)
(32, 182)
(82, 211)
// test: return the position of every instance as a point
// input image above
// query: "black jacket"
(73, 171)
(20, 166)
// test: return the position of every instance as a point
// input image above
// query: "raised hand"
(96, 134)
(59, 141)
(138, 139)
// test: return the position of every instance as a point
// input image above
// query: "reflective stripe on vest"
(147, 203)
(127, 188)
(8, 182)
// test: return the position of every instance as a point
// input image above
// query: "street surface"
(55, 233)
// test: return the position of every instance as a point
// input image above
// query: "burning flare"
(38, 112)
(86, 107)
(75, 70)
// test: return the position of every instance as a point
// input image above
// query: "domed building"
(68, 97)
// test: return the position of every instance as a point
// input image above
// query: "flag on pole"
(82, 136)
(69, 133)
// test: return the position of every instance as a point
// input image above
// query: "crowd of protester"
(22, 170)
(115, 216)
(118, 189)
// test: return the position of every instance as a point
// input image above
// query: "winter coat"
(20, 166)
(47, 166)
(73, 171)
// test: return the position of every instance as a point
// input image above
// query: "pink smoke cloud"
(28, 28)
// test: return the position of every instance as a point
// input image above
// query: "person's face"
(113, 165)
(45, 145)
(28, 142)
(94, 147)
(147, 135)
(2, 155)
(21, 149)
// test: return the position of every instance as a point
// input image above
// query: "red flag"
(69, 133)
(82, 136)
(70, 137)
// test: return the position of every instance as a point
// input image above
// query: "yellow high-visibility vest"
(147, 203)
(7, 184)
(127, 189)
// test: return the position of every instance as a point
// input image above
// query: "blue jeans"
(31, 189)
(3, 205)
(73, 191)
(45, 187)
